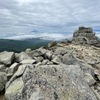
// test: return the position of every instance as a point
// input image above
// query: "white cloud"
(98, 35)
(45, 36)
(23, 16)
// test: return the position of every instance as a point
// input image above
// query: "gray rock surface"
(85, 36)
(28, 61)
(48, 55)
(47, 62)
(61, 51)
(22, 56)
(53, 82)
(17, 74)
(69, 59)
(3, 80)
(42, 50)
(57, 59)
(38, 59)
(2, 68)
(14, 89)
(7, 57)
(90, 80)
(36, 53)
(13, 68)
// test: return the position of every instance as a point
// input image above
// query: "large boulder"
(7, 57)
(17, 74)
(22, 56)
(85, 36)
(51, 82)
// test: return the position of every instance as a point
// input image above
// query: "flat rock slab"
(28, 61)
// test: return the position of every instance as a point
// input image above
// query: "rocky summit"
(85, 35)
(61, 71)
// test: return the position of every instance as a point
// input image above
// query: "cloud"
(23, 16)
(98, 35)
(45, 36)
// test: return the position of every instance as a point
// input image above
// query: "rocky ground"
(62, 71)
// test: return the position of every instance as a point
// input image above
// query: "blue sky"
(23, 16)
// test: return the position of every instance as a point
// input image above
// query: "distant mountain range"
(21, 45)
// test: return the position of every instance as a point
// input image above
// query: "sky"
(20, 17)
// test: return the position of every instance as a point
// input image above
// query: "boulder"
(36, 53)
(22, 56)
(69, 59)
(43, 50)
(13, 68)
(51, 82)
(48, 55)
(14, 89)
(17, 74)
(3, 80)
(57, 59)
(7, 57)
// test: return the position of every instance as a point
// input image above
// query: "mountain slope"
(20, 45)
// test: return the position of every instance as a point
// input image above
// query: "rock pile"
(85, 36)
(63, 71)
(56, 73)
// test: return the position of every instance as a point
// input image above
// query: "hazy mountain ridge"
(21, 45)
